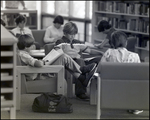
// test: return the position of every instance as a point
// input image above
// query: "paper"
(37, 51)
(52, 56)
(89, 44)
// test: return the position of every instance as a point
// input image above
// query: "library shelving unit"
(8, 74)
(131, 17)
(9, 15)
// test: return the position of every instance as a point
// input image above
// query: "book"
(52, 56)
(89, 45)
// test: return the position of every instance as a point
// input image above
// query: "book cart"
(8, 72)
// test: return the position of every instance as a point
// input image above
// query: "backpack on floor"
(52, 103)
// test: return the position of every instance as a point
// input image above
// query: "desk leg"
(60, 82)
(12, 113)
(18, 90)
(98, 96)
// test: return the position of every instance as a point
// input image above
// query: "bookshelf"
(8, 74)
(9, 15)
(129, 17)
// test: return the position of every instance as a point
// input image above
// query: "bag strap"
(47, 95)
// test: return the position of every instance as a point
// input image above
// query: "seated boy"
(74, 49)
(25, 44)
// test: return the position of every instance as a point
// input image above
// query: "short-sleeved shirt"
(121, 55)
(52, 32)
(73, 49)
(27, 59)
(17, 31)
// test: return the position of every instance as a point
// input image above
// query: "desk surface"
(37, 53)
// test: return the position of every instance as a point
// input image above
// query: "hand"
(96, 45)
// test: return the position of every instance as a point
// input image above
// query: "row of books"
(139, 25)
(124, 7)
(10, 19)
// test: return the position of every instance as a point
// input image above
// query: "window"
(48, 7)
(75, 11)
(78, 9)
(62, 8)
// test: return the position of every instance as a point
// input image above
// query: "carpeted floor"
(81, 110)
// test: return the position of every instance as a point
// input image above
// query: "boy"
(74, 48)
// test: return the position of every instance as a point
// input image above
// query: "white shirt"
(52, 32)
(121, 55)
(25, 30)
(27, 59)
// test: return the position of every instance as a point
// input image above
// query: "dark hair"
(20, 18)
(24, 41)
(102, 25)
(59, 19)
(70, 28)
(118, 39)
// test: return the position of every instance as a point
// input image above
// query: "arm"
(29, 60)
(48, 38)
(104, 42)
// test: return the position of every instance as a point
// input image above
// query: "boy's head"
(25, 42)
(118, 39)
(103, 26)
(58, 21)
(21, 21)
(70, 30)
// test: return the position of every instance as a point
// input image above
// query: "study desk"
(37, 53)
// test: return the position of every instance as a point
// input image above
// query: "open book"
(89, 45)
(52, 56)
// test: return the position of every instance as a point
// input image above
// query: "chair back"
(38, 36)
(131, 44)
(124, 86)
(48, 47)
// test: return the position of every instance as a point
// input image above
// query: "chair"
(38, 36)
(56, 84)
(122, 86)
(131, 44)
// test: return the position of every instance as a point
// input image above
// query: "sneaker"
(83, 97)
(135, 111)
(89, 76)
(87, 68)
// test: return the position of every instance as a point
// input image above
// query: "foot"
(88, 77)
(87, 68)
(83, 97)
(136, 112)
